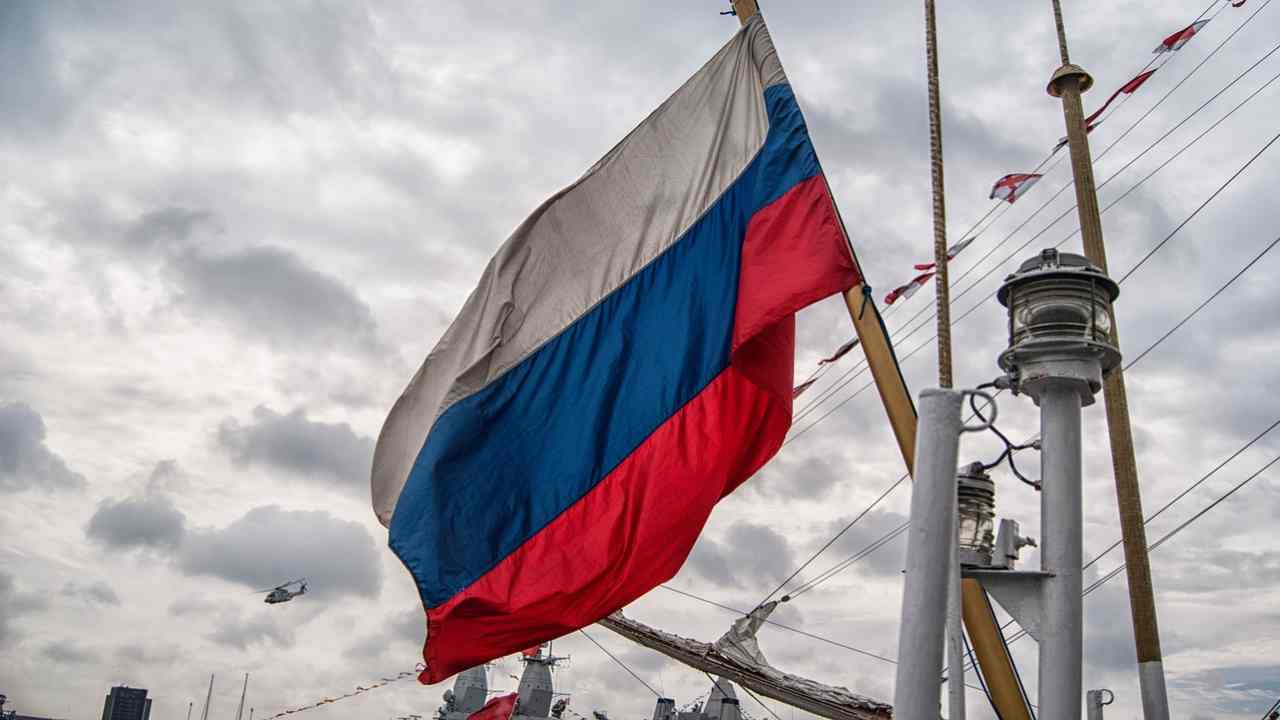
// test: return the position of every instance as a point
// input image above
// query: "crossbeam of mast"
(823, 700)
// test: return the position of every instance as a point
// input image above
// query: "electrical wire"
(1188, 219)
(840, 566)
(981, 680)
(789, 628)
(1166, 537)
(1208, 300)
(844, 380)
(775, 623)
(623, 665)
(718, 686)
(1186, 77)
(1253, 262)
(1187, 490)
(1109, 206)
(833, 540)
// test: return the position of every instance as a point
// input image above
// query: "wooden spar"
(872, 335)
(828, 702)
(990, 650)
(1068, 82)
(993, 659)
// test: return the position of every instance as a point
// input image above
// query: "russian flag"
(626, 361)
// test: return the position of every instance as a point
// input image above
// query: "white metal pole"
(929, 540)
(1061, 552)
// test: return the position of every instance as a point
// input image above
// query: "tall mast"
(243, 691)
(189, 706)
(993, 658)
(1068, 82)
(942, 286)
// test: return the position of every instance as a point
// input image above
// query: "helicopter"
(282, 593)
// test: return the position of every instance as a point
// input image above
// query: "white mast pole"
(929, 541)
(204, 714)
(243, 692)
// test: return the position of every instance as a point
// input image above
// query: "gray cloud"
(166, 476)
(885, 561)
(187, 606)
(811, 478)
(408, 627)
(146, 521)
(95, 592)
(141, 654)
(330, 453)
(68, 653)
(35, 100)
(275, 294)
(748, 556)
(25, 460)
(270, 292)
(390, 151)
(243, 633)
(14, 604)
(1244, 689)
(270, 545)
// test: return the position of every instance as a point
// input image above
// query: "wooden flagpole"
(993, 657)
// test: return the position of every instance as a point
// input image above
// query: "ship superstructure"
(536, 697)
(722, 704)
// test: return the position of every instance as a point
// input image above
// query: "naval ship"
(536, 698)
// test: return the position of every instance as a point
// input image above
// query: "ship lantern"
(1060, 321)
(976, 494)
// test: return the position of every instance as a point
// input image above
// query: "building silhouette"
(126, 703)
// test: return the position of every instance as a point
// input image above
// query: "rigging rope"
(844, 379)
(839, 567)
(360, 690)
(798, 631)
(1020, 248)
(1215, 194)
(1164, 538)
(832, 541)
(620, 663)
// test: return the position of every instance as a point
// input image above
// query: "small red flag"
(795, 393)
(1013, 186)
(1127, 88)
(499, 708)
(1183, 36)
(951, 253)
(902, 292)
(840, 352)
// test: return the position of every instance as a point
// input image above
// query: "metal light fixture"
(1060, 322)
(976, 495)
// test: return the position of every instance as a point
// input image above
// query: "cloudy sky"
(229, 233)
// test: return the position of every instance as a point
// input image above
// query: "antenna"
(243, 691)
(204, 714)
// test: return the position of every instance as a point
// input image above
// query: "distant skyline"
(230, 232)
